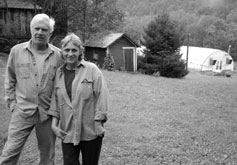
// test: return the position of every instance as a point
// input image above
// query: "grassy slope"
(162, 121)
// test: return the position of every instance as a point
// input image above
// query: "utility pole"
(229, 49)
(84, 21)
(187, 52)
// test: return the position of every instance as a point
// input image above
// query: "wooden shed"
(118, 45)
(15, 17)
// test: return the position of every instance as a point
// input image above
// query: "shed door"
(128, 59)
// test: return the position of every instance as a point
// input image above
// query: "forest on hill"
(208, 23)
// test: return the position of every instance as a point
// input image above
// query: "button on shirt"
(90, 103)
(23, 87)
(40, 58)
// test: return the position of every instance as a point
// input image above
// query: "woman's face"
(71, 53)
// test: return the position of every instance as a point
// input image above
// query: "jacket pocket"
(23, 70)
(86, 89)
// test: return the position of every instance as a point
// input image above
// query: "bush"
(6, 44)
(174, 70)
(108, 63)
(146, 68)
(141, 63)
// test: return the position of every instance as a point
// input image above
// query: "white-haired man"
(28, 86)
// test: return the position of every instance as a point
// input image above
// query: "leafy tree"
(57, 9)
(85, 17)
(134, 26)
(163, 38)
(232, 16)
(211, 23)
(89, 17)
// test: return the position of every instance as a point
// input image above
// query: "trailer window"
(212, 62)
(217, 65)
(228, 61)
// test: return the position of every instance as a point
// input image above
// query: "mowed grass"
(157, 120)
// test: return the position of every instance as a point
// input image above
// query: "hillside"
(153, 7)
(211, 23)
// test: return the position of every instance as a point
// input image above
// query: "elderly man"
(29, 84)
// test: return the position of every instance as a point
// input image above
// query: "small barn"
(15, 17)
(207, 59)
(119, 45)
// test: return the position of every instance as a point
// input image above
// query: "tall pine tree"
(163, 38)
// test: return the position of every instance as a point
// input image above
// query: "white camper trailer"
(207, 59)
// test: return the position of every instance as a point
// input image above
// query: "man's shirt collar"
(28, 46)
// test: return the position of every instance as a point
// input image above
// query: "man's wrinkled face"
(40, 33)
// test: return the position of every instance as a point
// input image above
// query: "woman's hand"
(58, 131)
(99, 128)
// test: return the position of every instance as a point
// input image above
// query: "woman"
(79, 105)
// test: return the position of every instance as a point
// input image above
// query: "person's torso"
(77, 116)
(34, 88)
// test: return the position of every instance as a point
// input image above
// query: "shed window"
(12, 16)
(95, 56)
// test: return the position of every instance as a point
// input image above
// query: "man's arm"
(10, 82)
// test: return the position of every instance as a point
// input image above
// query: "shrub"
(108, 63)
(6, 44)
(174, 70)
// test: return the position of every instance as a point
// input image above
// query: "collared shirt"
(81, 118)
(23, 87)
(40, 57)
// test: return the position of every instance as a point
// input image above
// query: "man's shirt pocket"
(23, 70)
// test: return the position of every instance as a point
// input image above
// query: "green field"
(157, 120)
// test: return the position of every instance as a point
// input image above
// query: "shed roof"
(107, 40)
(18, 4)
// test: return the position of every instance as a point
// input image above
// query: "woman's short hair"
(45, 18)
(74, 39)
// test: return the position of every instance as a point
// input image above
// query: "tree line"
(209, 23)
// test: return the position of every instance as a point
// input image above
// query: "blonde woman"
(79, 106)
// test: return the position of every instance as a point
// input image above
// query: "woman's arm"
(101, 93)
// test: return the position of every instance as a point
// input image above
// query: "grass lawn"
(160, 120)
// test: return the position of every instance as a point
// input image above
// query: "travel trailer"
(207, 59)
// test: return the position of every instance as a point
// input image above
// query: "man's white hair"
(45, 18)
